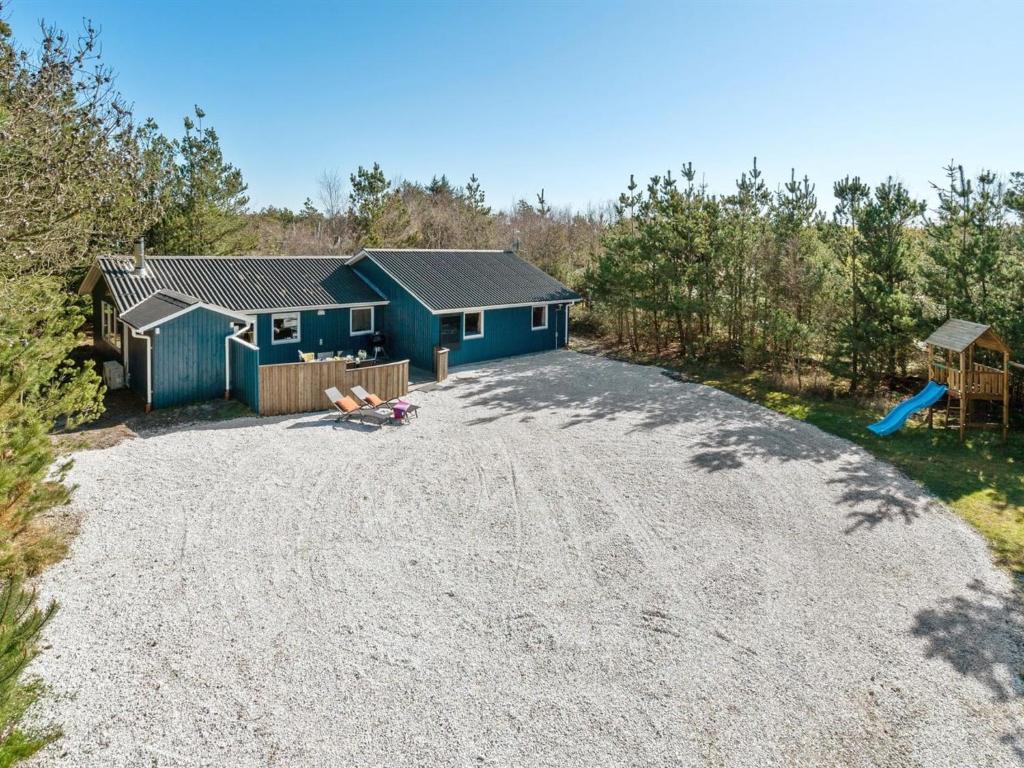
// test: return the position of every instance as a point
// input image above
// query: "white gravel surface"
(565, 561)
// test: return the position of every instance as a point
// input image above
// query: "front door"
(451, 331)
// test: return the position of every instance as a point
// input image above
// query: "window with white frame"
(540, 317)
(285, 327)
(472, 325)
(108, 324)
(360, 321)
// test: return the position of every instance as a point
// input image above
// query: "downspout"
(125, 357)
(227, 358)
(149, 368)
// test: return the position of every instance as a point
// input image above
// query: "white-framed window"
(285, 328)
(473, 325)
(108, 324)
(539, 317)
(360, 321)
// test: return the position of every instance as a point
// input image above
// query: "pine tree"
(20, 625)
(206, 200)
(742, 235)
(474, 197)
(542, 205)
(890, 312)
(72, 176)
(795, 273)
(851, 194)
(440, 188)
(970, 256)
(379, 216)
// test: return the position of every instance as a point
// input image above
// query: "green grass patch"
(982, 479)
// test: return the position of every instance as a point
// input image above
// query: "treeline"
(372, 210)
(765, 278)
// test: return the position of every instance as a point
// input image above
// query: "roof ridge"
(439, 250)
(250, 257)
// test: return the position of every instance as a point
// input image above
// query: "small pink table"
(401, 411)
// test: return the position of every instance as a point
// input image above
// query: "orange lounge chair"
(406, 409)
(348, 408)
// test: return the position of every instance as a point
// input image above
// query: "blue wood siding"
(245, 374)
(189, 358)
(509, 332)
(328, 332)
(412, 331)
(137, 362)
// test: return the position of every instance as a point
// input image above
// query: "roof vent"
(140, 258)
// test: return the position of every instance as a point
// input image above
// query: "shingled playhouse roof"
(448, 280)
(958, 335)
(243, 284)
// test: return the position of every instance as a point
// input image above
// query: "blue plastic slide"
(897, 417)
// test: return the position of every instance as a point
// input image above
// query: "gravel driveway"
(565, 561)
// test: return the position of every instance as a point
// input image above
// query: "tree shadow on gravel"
(589, 390)
(592, 389)
(877, 492)
(876, 486)
(981, 635)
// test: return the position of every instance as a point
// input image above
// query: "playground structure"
(897, 417)
(969, 381)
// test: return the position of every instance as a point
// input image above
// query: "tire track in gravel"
(527, 584)
(517, 515)
(214, 564)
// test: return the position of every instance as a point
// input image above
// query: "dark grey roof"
(240, 284)
(158, 306)
(448, 280)
(958, 335)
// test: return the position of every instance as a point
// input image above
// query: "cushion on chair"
(347, 404)
(374, 400)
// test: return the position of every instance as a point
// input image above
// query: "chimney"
(140, 258)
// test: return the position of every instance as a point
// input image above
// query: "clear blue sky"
(572, 97)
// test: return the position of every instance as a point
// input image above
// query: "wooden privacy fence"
(299, 387)
(385, 381)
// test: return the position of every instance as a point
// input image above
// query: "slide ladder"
(897, 417)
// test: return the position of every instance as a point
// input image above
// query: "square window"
(285, 328)
(540, 317)
(361, 321)
(108, 322)
(473, 325)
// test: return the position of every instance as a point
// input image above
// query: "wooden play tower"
(967, 379)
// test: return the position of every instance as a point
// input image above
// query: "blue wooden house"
(170, 320)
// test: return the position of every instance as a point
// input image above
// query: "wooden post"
(974, 383)
(1006, 394)
(963, 394)
(931, 377)
(440, 363)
